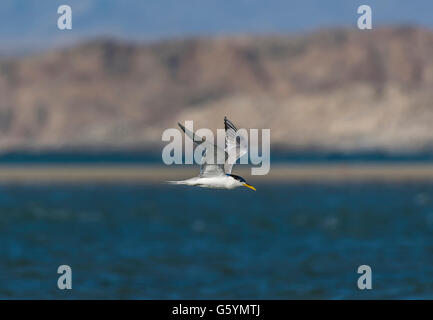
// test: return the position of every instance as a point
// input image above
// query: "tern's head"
(241, 181)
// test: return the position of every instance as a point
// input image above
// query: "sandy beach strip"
(158, 174)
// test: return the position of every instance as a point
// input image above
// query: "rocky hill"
(329, 90)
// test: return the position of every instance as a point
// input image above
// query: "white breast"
(218, 182)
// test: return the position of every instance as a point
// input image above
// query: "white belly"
(213, 182)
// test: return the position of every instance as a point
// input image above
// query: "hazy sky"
(27, 24)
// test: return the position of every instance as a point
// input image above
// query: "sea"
(156, 241)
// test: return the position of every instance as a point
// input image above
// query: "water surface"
(166, 242)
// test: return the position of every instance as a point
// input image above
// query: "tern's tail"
(175, 182)
(189, 182)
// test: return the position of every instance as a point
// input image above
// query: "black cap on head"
(239, 178)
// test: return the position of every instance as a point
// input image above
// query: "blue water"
(160, 242)
(154, 157)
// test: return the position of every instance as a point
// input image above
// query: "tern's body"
(213, 175)
(216, 182)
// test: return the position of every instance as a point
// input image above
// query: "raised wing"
(236, 145)
(209, 166)
(197, 139)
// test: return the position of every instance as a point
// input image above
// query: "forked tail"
(189, 182)
(175, 182)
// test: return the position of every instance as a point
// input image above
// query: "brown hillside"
(334, 90)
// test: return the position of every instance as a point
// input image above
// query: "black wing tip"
(181, 126)
(226, 121)
(229, 125)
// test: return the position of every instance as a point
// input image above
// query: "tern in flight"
(213, 175)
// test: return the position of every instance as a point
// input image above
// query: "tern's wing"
(210, 169)
(236, 145)
(209, 166)
(197, 139)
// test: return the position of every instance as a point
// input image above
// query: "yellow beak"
(248, 186)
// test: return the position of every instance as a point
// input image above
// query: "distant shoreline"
(123, 157)
(292, 173)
